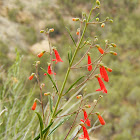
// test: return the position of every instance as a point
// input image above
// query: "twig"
(37, 77)
(74, 120)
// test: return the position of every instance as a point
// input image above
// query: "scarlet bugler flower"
(49, 70)
(34, 105)
(86, 135)
(104, 73)
(102, 86)
(86, 118)
(41, 54)
(101, 120)
(58, 58)
(100, 49)
(32, 76)
(89, 62)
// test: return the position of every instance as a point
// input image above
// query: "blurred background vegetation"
(20, 23)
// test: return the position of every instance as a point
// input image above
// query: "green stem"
(68, 71)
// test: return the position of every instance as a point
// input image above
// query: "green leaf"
(94, 17)
(70, 55)
(58, 112)
(71, 36)
(50, 79)
(59, 124)
(41, 124)
(44, 131)
(51, 104)
(73, 85)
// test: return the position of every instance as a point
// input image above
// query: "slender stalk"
(37, 77)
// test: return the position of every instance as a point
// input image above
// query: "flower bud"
(87, 106)
(77, 33)
(42, 31)
(107, 18)
(95, 101)
(84, 20)
(51, 30)
(112, 52)
(106, 41)
(34, 105)
(41, 54)
(103, 25)
(98, 2)
(42, 85)
(108, 69)
(113, 44)
(111, 20)
(101, 96)
(97, 19)
(46, 94)
(79, 96)
(75, 19)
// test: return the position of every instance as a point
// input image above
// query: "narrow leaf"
(73, 85)
(50, 79)
(70, 55)
(71, 36)
(41, 123)
(59, 124)
(44, 131)
(58, 112)
(51, 104)
(94, 17)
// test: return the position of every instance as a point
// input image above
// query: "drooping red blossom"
(108, 69)
(102, 86)
(58, 58)
(32, 76)
(100, 50)
(41, 54)
(86, 135)
(34, 106)
(45, 74)
(104, 73)
(49, 70)
(101, 120)
(89, 62)
(86, 118)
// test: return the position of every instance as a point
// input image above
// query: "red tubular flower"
(49, 70)
(85, 136)
(102, 86)
(89, 62)
(101, 120)
(34, 106)
(104, 73)
(58, 58)
(85, 118)
(41, 54)
(101, 50)
(32, 76)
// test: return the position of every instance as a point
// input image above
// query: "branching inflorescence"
(47, 121)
